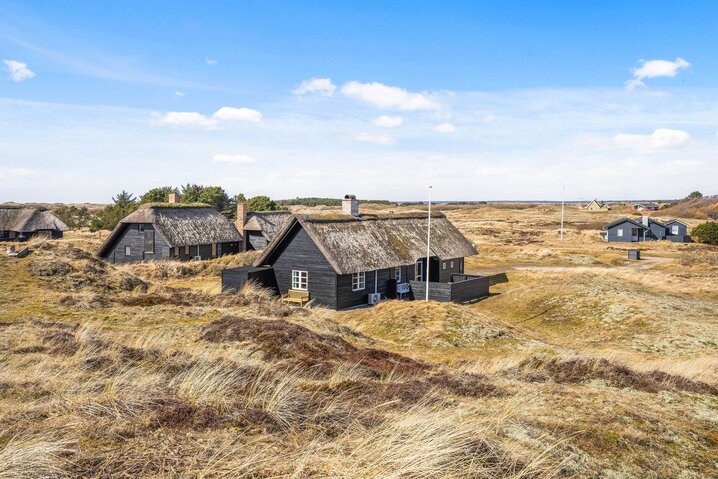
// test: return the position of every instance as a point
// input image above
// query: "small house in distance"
(646, 207)
(21, 224)
(161, 231)
(596, 205)
(258, 228)
(346, 260)
(627, 230)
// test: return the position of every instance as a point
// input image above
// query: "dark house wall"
(445, 274)
(626, 238)
(682, 229)
(300, 253)
(658, 232)
(183, 253)
(135, 239)
(256, 240)
(13, 235)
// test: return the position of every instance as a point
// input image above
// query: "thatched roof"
(366, 243)
(29, 220)
(269, 223)
(180, 225)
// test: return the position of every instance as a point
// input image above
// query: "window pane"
(149, 241)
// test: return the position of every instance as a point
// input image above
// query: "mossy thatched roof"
(367, 243)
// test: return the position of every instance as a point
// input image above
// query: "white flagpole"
(428, 247)
(563, 198)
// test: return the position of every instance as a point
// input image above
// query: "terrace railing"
(462, 288)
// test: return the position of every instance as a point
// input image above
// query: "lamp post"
(428, 246)
(563, 198)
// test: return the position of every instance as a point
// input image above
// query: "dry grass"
(594, 368)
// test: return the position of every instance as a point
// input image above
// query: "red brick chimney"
(173, 198)
(239, 224)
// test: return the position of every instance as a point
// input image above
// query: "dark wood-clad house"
(160, 231)
(341, 261)
(628, 230)
(259, 227)
(21, 224)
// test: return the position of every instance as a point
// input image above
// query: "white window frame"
(359, 281)
(128, 251)
(674, 229)
(444, 265)
(452, 265)
(300, 280)
(619, 233)
(397, 274)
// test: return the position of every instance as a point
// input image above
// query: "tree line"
(125, 203)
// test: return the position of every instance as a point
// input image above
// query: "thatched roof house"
(261, 227)
(171, 231)
(353, 244)
(19, 223)
(348, 259)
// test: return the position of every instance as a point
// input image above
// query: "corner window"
(397, 274)
(358, 281)
(299, 280)
(149, 241)
(674, 229)
(128, 251)
(619, 233)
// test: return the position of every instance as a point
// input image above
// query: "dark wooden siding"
(613, 237)
(467, 288)
(135, 239)
(445, 274)
(234, 278)
(300, 253)
(256, 240)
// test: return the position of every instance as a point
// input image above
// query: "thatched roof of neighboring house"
(180, 225)
(29, 220)
(366, 243)
(269, 223)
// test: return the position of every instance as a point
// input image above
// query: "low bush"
(706, 233)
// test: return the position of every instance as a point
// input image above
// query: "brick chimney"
(350, 205)
(173, 198)
(239, 224)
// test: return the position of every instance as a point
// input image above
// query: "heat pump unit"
(374, 298)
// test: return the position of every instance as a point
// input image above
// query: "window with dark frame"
(149, 241)
(397, 274)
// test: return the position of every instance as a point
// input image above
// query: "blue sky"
(489, 100)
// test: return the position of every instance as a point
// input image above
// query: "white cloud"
(654, 69)
(388, 121)
(445, 128)
(660, 138)
(316, 86)
(210, 61)
(237, 159)
(18, 71)
(308, 174)
(378, 139)
(179, 93)
(187, 118)
(389, 97)
(237, 114)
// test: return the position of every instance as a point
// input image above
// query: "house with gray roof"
(21, 224)
(258, 228)
(628, 230)
(161, 231)
(350, 259)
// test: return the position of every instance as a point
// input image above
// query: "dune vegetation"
(580, 364)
